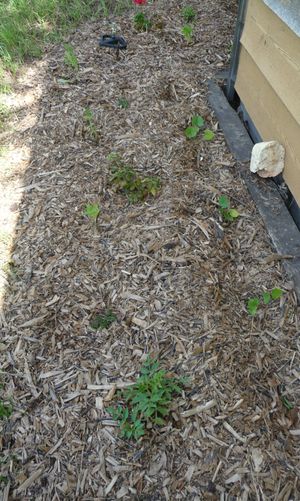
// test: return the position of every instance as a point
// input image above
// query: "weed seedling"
(252, 306)
(267, 297)
(227, 213)
(188, 14)
(187, 32)
(123, 103)
(70, 58)
(5, 410)
(88, 118)
(208, 135)
(193, 130)
(92, 211)
(104, 321)
(147, 403)
(125, 179)
(141, 23)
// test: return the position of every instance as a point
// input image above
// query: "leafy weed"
(125, 179)
(92, 211)
(227, 213)
(123, 103)
(88, 118)
(70, 58)
(187, 32)
(147, 403)
(188, 14)
(104, 321)
(141, 23)
(254, 303)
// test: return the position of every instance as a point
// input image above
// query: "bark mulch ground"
(175, 275)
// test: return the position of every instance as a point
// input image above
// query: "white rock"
(267, 159)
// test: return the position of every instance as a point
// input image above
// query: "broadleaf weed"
(127, 180)
(148, 401)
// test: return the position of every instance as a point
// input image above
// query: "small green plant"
(5, 410)
(88, 118)
(187, 32)
(125, 179)
(252, 305)
(147, 402)
(193, 130)
(141, 23)
(267, 297)
(208, 135)
(104, 321)
(123, 103)
(92, 211)
(287, 404)
(227, 213)
(70, 58)
(188, 14)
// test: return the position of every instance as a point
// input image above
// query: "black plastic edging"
(280, 225)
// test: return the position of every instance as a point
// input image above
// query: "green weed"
(70, 58)
(88, 118)
(123, 103)
(141, 23)
(5, 410)
(254, 303)
(193, 130)
(187, 32)
(125, 179)
(104, 321)
(92, 211)
(188, 14)
(227, 213)
(147, 403)
(208, 135)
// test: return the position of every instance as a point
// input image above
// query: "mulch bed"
(175, 275)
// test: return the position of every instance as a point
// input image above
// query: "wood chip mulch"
(176, 276)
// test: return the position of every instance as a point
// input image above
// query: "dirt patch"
(174, 274)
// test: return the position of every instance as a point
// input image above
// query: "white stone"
(267, 159)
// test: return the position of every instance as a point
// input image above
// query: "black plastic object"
(113, 42)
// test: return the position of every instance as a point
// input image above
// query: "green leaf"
(123, 103)
(224, 202)
(103, 321)
(197, 121)
(92, 211)
(187, 32)
(159, 421)
(191, 132)
(276, 293)
(288, 405)
(266, 297)
(233, 213)
(208, 135)
(252, 305)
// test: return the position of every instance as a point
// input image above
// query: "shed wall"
(268, 83)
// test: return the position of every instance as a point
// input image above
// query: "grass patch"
(25, 26)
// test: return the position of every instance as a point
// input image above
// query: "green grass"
(26, 25)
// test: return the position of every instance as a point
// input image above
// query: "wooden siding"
(268, 83)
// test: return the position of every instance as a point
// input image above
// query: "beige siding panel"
(276, 51)
(270, 116)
